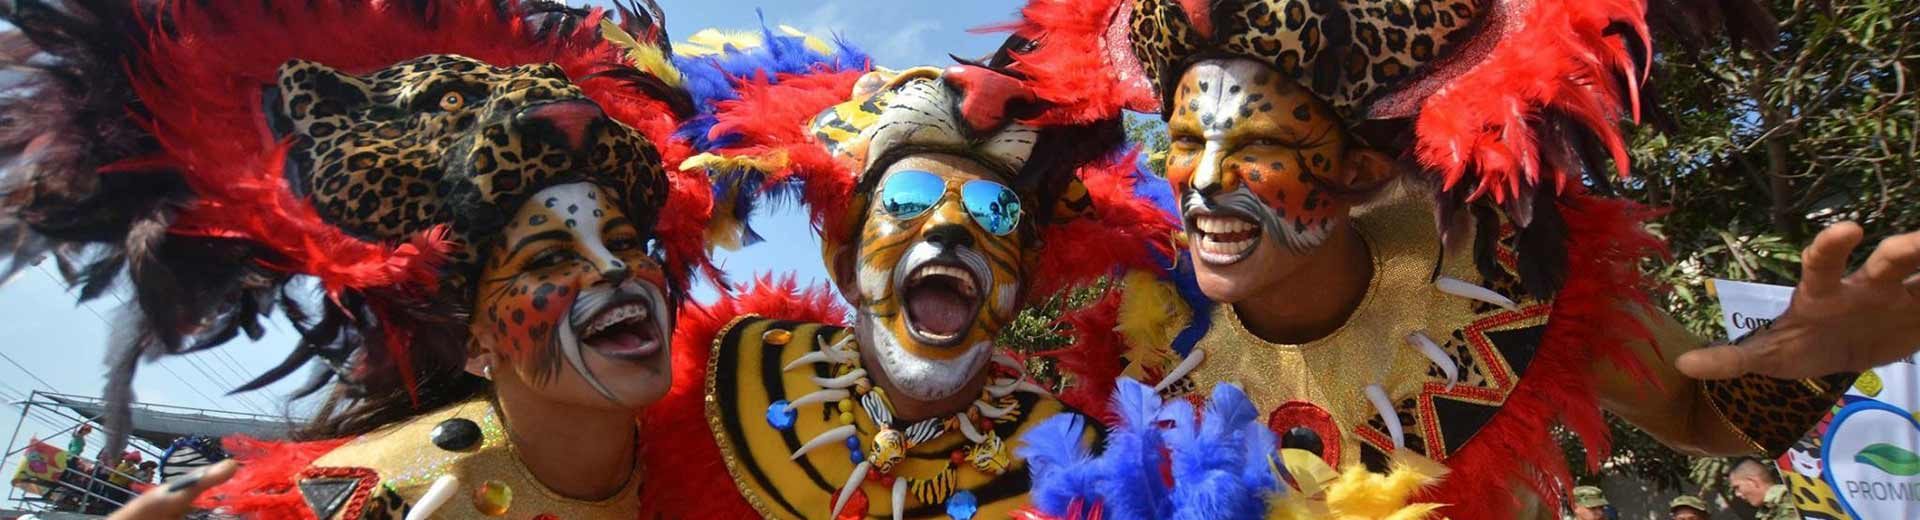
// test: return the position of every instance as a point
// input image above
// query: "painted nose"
(613, 270)
(567, 122)
(988, 99)
(947, 227)
(1210, 176)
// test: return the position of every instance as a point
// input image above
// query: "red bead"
(856, 508)
(546, 516)
(959, 457)
(884, 479)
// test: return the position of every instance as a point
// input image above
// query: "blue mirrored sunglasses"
(908, 194)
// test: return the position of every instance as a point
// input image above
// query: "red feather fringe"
(1095, 357)
(1124, 232)
(688, 477)
(264, 487)
(1083, 66)
(1593, 322)
(202, 94)
(1557, 56)
(771, 118)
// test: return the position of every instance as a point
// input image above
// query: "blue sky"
(59, 345)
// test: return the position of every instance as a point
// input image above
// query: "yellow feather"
(1362, 495)
(647, 58)
(813, 43)
(1151, 314)
(723, 230)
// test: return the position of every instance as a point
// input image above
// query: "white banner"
(1861, 464)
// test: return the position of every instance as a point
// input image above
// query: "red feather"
(689, 479)
(1083, 66)
(201, 90)
(264, 487)
(1592, 322)
(1124, 232)
(1556, 56)
(770, 118)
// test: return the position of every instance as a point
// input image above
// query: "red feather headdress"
(143, 145)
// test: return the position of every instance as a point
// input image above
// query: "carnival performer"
(460, 204)
(1389, 202)
(941, 214)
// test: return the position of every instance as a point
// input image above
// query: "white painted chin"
(924, 379)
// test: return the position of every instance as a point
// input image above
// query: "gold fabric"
(745, 378)
(408, 462)
(1372, 347)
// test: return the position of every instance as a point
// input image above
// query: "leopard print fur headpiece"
(449, 140)
(1348, 52)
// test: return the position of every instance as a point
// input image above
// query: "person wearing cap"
(1589, 503)
(1760, 487)
(1688, 507)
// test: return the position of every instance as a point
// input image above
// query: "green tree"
(1765, 149)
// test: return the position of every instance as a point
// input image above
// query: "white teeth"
(1216, 224)
(966, 278)
(629, 311)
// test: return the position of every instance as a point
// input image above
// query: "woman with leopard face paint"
(1386, 212)
(480, 194)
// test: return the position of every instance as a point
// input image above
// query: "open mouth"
(1223, 239)
(630, 329)
(941, 303)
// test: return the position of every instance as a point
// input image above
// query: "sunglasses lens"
(909, 193)
(993, 205)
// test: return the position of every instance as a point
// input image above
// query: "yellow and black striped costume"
(745, 378)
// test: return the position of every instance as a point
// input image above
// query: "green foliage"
(1765, 150)
(1150, 134)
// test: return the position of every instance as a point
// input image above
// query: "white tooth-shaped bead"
(829, 437)
(992, 411)
(807, 359)
(966, 427)
(1431, 350)
(1186, 366)
(1016, 386)
(819, 396)
(1461, 288)
(846, 492)
(1002, 359)
(436, 496)
(842, 381)
(1378, 396)
(899, 498)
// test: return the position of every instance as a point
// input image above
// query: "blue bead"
(781, 416)
(856, 457)
(962, 505)
(853, 442)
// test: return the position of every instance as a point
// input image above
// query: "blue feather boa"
(1219, 460)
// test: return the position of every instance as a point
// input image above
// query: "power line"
(23, 369)
(176, 375)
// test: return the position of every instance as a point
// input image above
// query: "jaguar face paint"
(1254, 156)
(574, 282)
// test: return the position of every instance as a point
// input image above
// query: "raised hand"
(175, 499)
(1837, 322)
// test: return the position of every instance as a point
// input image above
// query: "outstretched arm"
(1837, 322)
(1672, 407)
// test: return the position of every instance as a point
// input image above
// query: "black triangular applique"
(1459, 420)
(1518, 345)
(327, 495)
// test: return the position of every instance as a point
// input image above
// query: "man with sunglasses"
(941, 213)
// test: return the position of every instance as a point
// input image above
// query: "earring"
(487, 371)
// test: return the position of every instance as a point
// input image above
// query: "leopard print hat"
(1352, 53)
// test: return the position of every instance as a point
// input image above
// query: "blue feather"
(713, 79)
(1219, 461)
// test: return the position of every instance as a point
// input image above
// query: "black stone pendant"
(456, 434)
